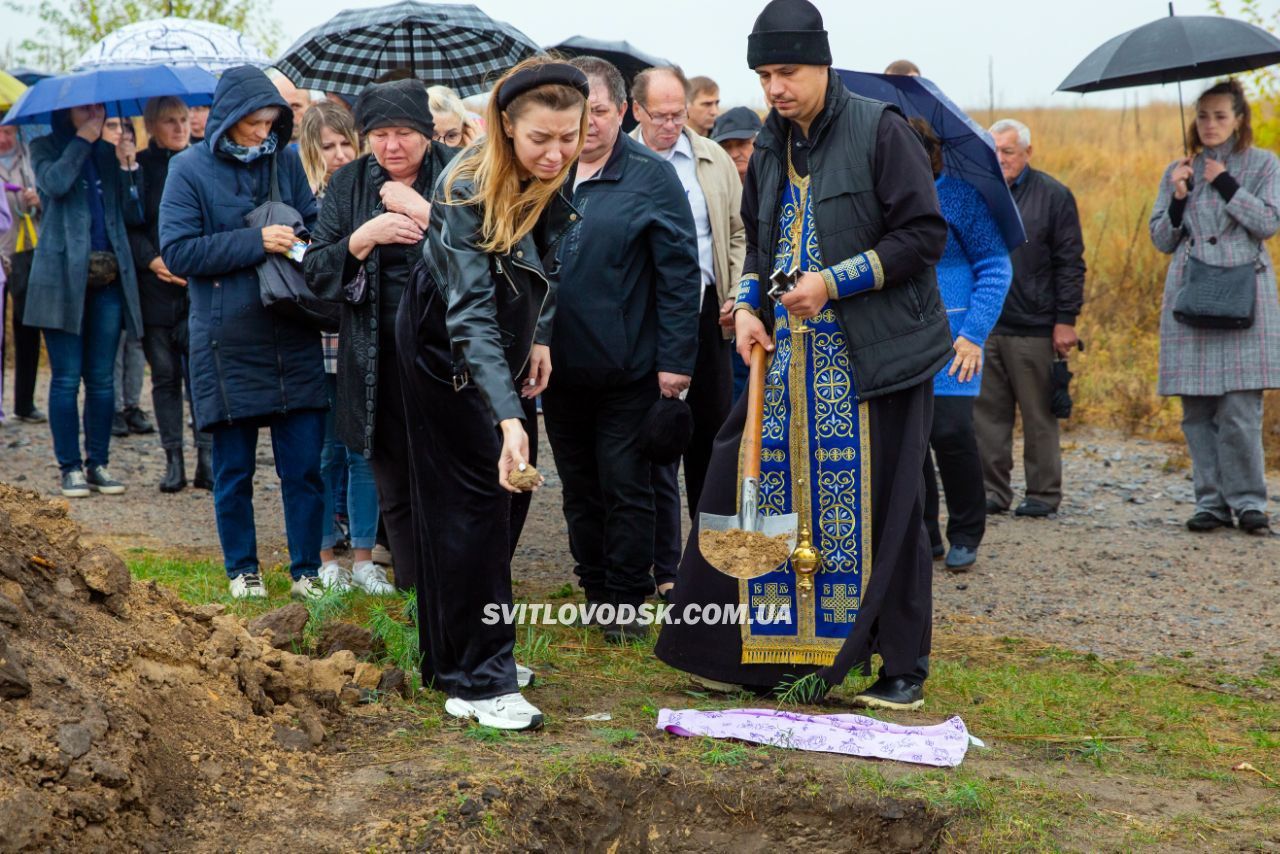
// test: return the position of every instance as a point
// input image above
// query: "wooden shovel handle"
(751, 432)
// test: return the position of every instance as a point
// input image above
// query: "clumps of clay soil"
(744, 554)
(128, 718)
(525, 480)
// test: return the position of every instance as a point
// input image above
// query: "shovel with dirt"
(749, 544)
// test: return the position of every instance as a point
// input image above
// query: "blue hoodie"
(246, 361)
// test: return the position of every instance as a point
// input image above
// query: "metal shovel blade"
(750, 520)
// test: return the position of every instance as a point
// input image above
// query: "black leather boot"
(175, 473)
(204, 469)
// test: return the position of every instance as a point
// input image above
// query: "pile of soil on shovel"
(744, 554)
(128, 716)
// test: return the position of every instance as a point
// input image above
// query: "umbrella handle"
(754, 427)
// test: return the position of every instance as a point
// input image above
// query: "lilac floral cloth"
(943, 744)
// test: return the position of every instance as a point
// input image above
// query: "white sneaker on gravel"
(307, 587)
(334, 577)
(524, 676)
(248, 586)
(510, 711)
(372, 579)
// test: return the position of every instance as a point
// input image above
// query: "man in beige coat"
(660, 105)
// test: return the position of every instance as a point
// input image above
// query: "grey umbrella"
(455, 45)
(1174, 49)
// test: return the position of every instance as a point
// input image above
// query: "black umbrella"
(626, 57)
(1174, 49)
(455, 45)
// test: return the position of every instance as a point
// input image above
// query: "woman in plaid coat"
(1219, 206)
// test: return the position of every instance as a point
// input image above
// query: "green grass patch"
(1056, 717)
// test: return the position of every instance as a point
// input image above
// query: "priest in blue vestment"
(843, 232)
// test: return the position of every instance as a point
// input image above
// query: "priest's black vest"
(899, 336)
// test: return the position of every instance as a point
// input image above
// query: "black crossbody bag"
(1214, 297)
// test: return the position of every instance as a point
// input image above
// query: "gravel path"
(1114, 573)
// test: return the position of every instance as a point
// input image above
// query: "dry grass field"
(1113, 161)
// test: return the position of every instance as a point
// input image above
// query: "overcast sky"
(1033, 44)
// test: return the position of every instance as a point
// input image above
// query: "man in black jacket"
(1037, 325)
(625, 333)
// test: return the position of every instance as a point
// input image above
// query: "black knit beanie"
(788, 32)
(400, 103)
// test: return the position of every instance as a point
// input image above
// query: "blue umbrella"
(123, 90)
(29, 75)
(967, 150)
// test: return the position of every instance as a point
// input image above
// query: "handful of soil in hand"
(743, 554)
(525, 480)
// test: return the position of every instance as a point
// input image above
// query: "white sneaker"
(510, 711)
(334, 577)
(372, 579)
(307, 587)
(248, 586)
(524, 676)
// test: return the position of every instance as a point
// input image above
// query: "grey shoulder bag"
(1214, 297)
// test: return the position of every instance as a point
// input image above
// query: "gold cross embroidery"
(773, 595)
(840, 601)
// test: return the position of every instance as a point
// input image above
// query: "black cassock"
(894, 614)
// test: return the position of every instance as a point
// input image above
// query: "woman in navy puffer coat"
(250, 367)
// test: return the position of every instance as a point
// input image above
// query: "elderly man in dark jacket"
(1036, 326)
(250, 367)
(626, 332)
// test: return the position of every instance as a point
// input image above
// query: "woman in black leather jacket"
(472, 336)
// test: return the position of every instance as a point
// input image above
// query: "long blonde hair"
(321, 115)
(510, 211)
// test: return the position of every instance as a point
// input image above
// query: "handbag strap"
(275, 180)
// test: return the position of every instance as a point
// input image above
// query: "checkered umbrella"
(455, 45)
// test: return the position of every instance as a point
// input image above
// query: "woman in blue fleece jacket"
(973, 276)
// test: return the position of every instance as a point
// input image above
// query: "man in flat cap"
(843, 231)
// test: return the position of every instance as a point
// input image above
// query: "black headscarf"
(400, 103)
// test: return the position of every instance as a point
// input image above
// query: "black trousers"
(166, 350)
(710, 398)
(668, 518)
(26, 339)
(608, 496)
(955, 446)
(391, 469)
(465, 526)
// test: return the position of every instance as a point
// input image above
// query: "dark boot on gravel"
(1255, 522)
(204, 469)
(1204, 521)
(1033, 509)
(138, 422)
(175, 473)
